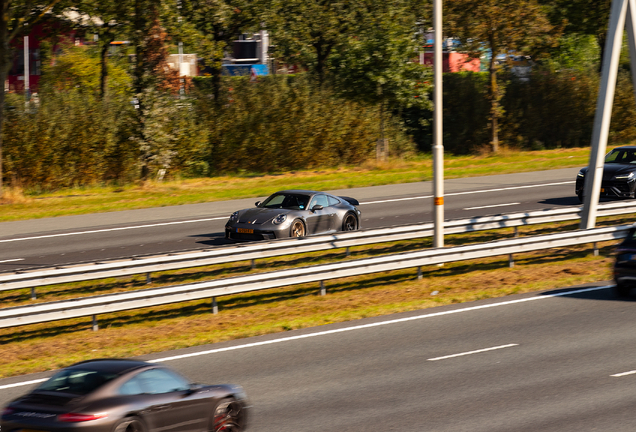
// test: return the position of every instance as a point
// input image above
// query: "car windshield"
(287, 201)
(76, 381)
(621, 156)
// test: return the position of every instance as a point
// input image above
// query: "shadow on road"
(213, 239)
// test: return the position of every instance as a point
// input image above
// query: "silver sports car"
(294, 213)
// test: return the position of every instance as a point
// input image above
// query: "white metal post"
(438, 144)
(603, 114)
(631, 38)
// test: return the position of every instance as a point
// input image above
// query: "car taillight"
(76, 417)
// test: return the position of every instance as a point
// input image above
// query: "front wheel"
(227, 416)
(129, 424)
(350, 223)
(580, 195)
(297, 229)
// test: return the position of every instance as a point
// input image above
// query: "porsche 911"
(294, 213)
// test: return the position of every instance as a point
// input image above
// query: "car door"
(317, 219)
(170, 406)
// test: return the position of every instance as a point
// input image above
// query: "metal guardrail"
(93, 306)
(245, 252)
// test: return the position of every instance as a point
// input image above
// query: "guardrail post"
(516, 231)
(323, 290)
(95, 326)
(419, 273)
(595, 249)
(148, 279)
(33, 293)
(215, 306)
(253, 264)
(511, 261)
(347, 253)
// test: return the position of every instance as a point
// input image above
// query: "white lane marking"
(112, 229)
(624, 374)
(490, 206)
(346, 329)
(468, 193)
(472, 352)
(12, 260)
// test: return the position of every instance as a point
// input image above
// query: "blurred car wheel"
(227, 416)
(297, 228)
(350, 223)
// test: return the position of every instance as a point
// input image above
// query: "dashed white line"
(490, 206)
(472, 352)
(468, 193)
(12, 260)
(622, 374)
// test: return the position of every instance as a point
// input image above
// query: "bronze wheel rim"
(298, 229)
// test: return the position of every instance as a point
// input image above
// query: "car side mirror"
(194, 387)
(316, 207)
(257, 203)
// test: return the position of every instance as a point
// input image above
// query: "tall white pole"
(438, 144)
(27, 72)
(603, 115)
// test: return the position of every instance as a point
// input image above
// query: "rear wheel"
(297, 228)
(227, 416)
(350, 223)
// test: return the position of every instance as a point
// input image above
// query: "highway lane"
(532, 362)
(72, 239)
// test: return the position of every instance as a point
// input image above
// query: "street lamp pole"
(438, 144)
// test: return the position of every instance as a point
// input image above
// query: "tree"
(308, 32)
(502, 27)
(106, 19)
(583, 17)
(376, 65)
(16, 17)
(210, 26)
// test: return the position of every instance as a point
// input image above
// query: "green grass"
(20, 204)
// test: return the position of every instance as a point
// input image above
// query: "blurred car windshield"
(286, 201)
(76, 381)
(621, 156)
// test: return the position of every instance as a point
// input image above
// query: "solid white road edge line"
(12, 260)
(111, 229)
(359, 327)
(490, 206)
(472, 352)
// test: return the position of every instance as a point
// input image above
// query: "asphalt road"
(95, 237)
(533, 362)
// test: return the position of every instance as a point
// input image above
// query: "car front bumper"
(610, 188)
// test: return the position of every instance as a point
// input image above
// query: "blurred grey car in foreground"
(120, 395)
(294, 213)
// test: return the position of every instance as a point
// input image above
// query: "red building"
(39, 33)
(453, 61)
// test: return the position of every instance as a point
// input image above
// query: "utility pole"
(438, 144)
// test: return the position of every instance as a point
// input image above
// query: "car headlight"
(624, 176)
(234, 217)
(580, 174)
(280, 219)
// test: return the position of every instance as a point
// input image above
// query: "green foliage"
(71, 139)
(287, 124)
(78, 67)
